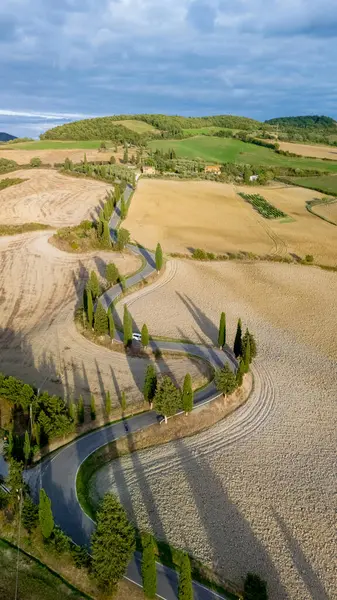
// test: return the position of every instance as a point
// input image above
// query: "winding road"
(57, 474)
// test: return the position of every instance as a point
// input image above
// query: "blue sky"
(66, 59)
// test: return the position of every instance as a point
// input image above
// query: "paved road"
(57, 474)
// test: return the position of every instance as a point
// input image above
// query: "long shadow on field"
(231, 539)
(80, 278)
(205, 324)
(305, 570)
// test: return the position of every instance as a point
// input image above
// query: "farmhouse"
(148, 170)
(215, 169)
(253, 178)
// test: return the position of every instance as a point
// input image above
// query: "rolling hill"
(6, 137)
(304, 122)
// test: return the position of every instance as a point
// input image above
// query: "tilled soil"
(255, 492)
(51, 198)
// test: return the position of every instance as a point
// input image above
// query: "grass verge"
(24, 228)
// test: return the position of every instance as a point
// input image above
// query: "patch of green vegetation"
(222, 150)
(203, 130)
(35, 582)
(24, 228)
(5, 183)
(138, 126)
(60, 145)
(327, 184)
(7, 165)
(263, 207)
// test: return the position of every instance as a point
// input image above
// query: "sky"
(62, 60)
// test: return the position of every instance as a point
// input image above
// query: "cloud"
(76, 58)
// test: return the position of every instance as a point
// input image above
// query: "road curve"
(57, 473)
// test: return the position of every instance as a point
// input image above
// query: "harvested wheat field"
(212, 216)
(39, 290)
(23, 157)
(314, 150)
(328, 211)
(50, 198)
(255, 492)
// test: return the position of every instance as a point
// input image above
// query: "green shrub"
(199, 254)
(35, 162)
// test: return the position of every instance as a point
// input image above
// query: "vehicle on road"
(137, 337)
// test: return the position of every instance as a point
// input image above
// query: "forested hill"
(113, 128)
(6, 137)
(311, 122)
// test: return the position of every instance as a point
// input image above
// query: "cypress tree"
(187, 394)
(100, 320)
(72, 410)
(80, 410)
(26, 447)
(37, 433)
(123, 401)
(126, 155)
(185, 590)
(106, 234)
(150, 384)
(90, 307)
(238, 340)
(167, 398)
(111, 325)
(92, 407)
(112, 544)
(30, 514)
(240, 371)
(145, 336)
(122, 282)
(148, 566)
(124, 210)
(46, 519)
(225, 380)
(127, 327)
(94, 285)
(253, 348)
(222, 330)
(107, 403)
(111, 274)
(159, 257)
(247, 358)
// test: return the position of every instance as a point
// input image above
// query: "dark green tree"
(26, 447)
(90, 306)
(112, 544)
(124, 210)
(222, 330)
(126, 155)
(150, 384)
(123, 238)
(238, 340)
(148, 566)
(46, 519)
(107, 403)
(92, 407)
(159, 257)
(100, 320)
(94, 285)
(240, 371)
(112, 160)
(225, 380)
(255, 588)
(14, 482)
(80, 410)
(187, 395)
(111, 325)
(145, 336)
(72, 409)
(246, 356)
(37, 433)
(185, 590)
(127, 327)
(106, 234)
(111, 274)
(30, 514)
(167, 398)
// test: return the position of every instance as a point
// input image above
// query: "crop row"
(267, 210)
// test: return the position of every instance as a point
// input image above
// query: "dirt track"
(257, 495)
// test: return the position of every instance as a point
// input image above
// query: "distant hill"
(112, 128)
(6, 137)
(305, 122)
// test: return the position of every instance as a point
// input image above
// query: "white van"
(137, 337)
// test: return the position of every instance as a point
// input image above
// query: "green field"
(56, 145)
(35, 581)
(221, 150)
(327, 184)
(138, 126)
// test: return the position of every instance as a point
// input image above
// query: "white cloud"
(52, 116)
